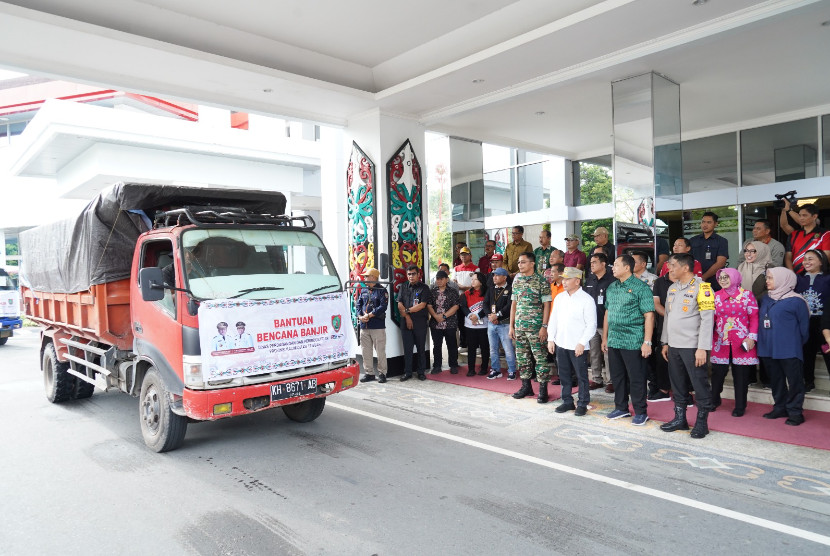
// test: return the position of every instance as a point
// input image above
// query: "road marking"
(717, 510)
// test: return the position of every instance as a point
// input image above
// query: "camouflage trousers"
(527, 343)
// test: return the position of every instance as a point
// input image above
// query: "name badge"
(767, 323)
(708, 255)
(600, 299)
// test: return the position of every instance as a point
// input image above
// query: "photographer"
(807, 236)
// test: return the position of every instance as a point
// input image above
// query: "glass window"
(496, 157)
(710, 163)
(727, 227)
(825, 132)
(592, 181)
(781, 152)
(476, 200)
(531, 187)
(256, 264)
(498, 192)
(460, 197)
(526, 157)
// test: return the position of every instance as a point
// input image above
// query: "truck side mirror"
(384, 266)
(151, 282)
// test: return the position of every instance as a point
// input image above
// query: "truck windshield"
(256, 264)
(6, 282)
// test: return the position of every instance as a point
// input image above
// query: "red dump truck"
(204, 303)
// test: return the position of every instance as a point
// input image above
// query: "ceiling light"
(267, 90)
(825, 23)
(477, 81)
(699, 2)
(539, 113)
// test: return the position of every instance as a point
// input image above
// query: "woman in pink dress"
(735, 334)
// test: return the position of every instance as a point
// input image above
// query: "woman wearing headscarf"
(735, 333)
(752, 270)
(783, 330)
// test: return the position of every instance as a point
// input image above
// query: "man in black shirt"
(596, 285)
(413, 298)
(710, 249)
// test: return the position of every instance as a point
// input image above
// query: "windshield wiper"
(315, 290)
(259, 289)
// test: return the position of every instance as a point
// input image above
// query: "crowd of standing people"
(601, 319)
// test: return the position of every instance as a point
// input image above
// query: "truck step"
(98, 382)
(88, 364)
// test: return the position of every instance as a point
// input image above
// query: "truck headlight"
(192, 371)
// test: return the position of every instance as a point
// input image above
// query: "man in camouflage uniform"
(529, 325)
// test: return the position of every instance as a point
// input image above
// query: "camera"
(790, 196)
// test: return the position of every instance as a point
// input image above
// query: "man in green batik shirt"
(542, 253)
(626, 337)
(529, 326)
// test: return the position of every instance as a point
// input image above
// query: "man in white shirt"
(572, 324)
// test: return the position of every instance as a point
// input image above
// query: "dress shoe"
(471, 372)
(482, 370)
(581, 411)
(737, 412)
(435, 371)
(453, 370)
(795, 420)
(775, 414)
(382, 379)
(555, 381)
(367, 378)
(809, 387)
(422, 376)
(404, 378)
(595, 385)
(609, 388)
(562, 408)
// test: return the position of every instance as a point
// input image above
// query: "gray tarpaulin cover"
(97, 246)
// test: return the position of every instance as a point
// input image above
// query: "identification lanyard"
(767, 323)
(493, 307)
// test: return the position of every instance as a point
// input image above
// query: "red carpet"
(814, 433)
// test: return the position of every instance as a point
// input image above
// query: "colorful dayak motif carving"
(403, 178)
(360, 190)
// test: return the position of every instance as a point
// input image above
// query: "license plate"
(293, 389)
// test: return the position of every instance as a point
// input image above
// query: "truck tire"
(56, 381)
(162, 429)
(305, 412)
(82, 389)
(3, 341)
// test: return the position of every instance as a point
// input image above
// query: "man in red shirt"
(682, 245)
(463, 273)
(809, 236)
(573, 256)
(489, 251)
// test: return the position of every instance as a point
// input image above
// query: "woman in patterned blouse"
(735, 334)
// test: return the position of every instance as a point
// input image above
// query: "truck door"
(156, 326)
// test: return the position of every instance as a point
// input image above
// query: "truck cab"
(10, 319)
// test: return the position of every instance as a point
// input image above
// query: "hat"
(501, 272)
(497, 257)
(441, 274)
(572, 272)
(571, 236)
(373, 272)
(601, 230)
(465, 250)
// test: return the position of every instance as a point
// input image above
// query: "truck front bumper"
(201, 404)
(9, 325)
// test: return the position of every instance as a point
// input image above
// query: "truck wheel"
(162, 429)
(3, 341)
(305, 412)
(82, 389)
(56, 381)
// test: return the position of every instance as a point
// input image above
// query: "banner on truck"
(251, 337)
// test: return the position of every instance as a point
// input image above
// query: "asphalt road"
(401, 468)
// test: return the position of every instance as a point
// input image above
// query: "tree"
(595, 187)
(439, 217)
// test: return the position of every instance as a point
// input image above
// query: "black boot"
(701, 427)
(543, 393)
(679, 422)
(525, 390)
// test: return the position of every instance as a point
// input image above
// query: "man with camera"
(808, 236)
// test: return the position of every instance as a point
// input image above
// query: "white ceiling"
(738, 62)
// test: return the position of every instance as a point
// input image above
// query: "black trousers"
(786, 378)
(477, 340)
(448, 335)
(740, 378)
(681, 370)
(412, 340)
(658, 370)
(811, 348)
(629, 374)
(573, 369)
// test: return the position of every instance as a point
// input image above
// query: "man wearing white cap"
(371, 312)
(572, 324)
